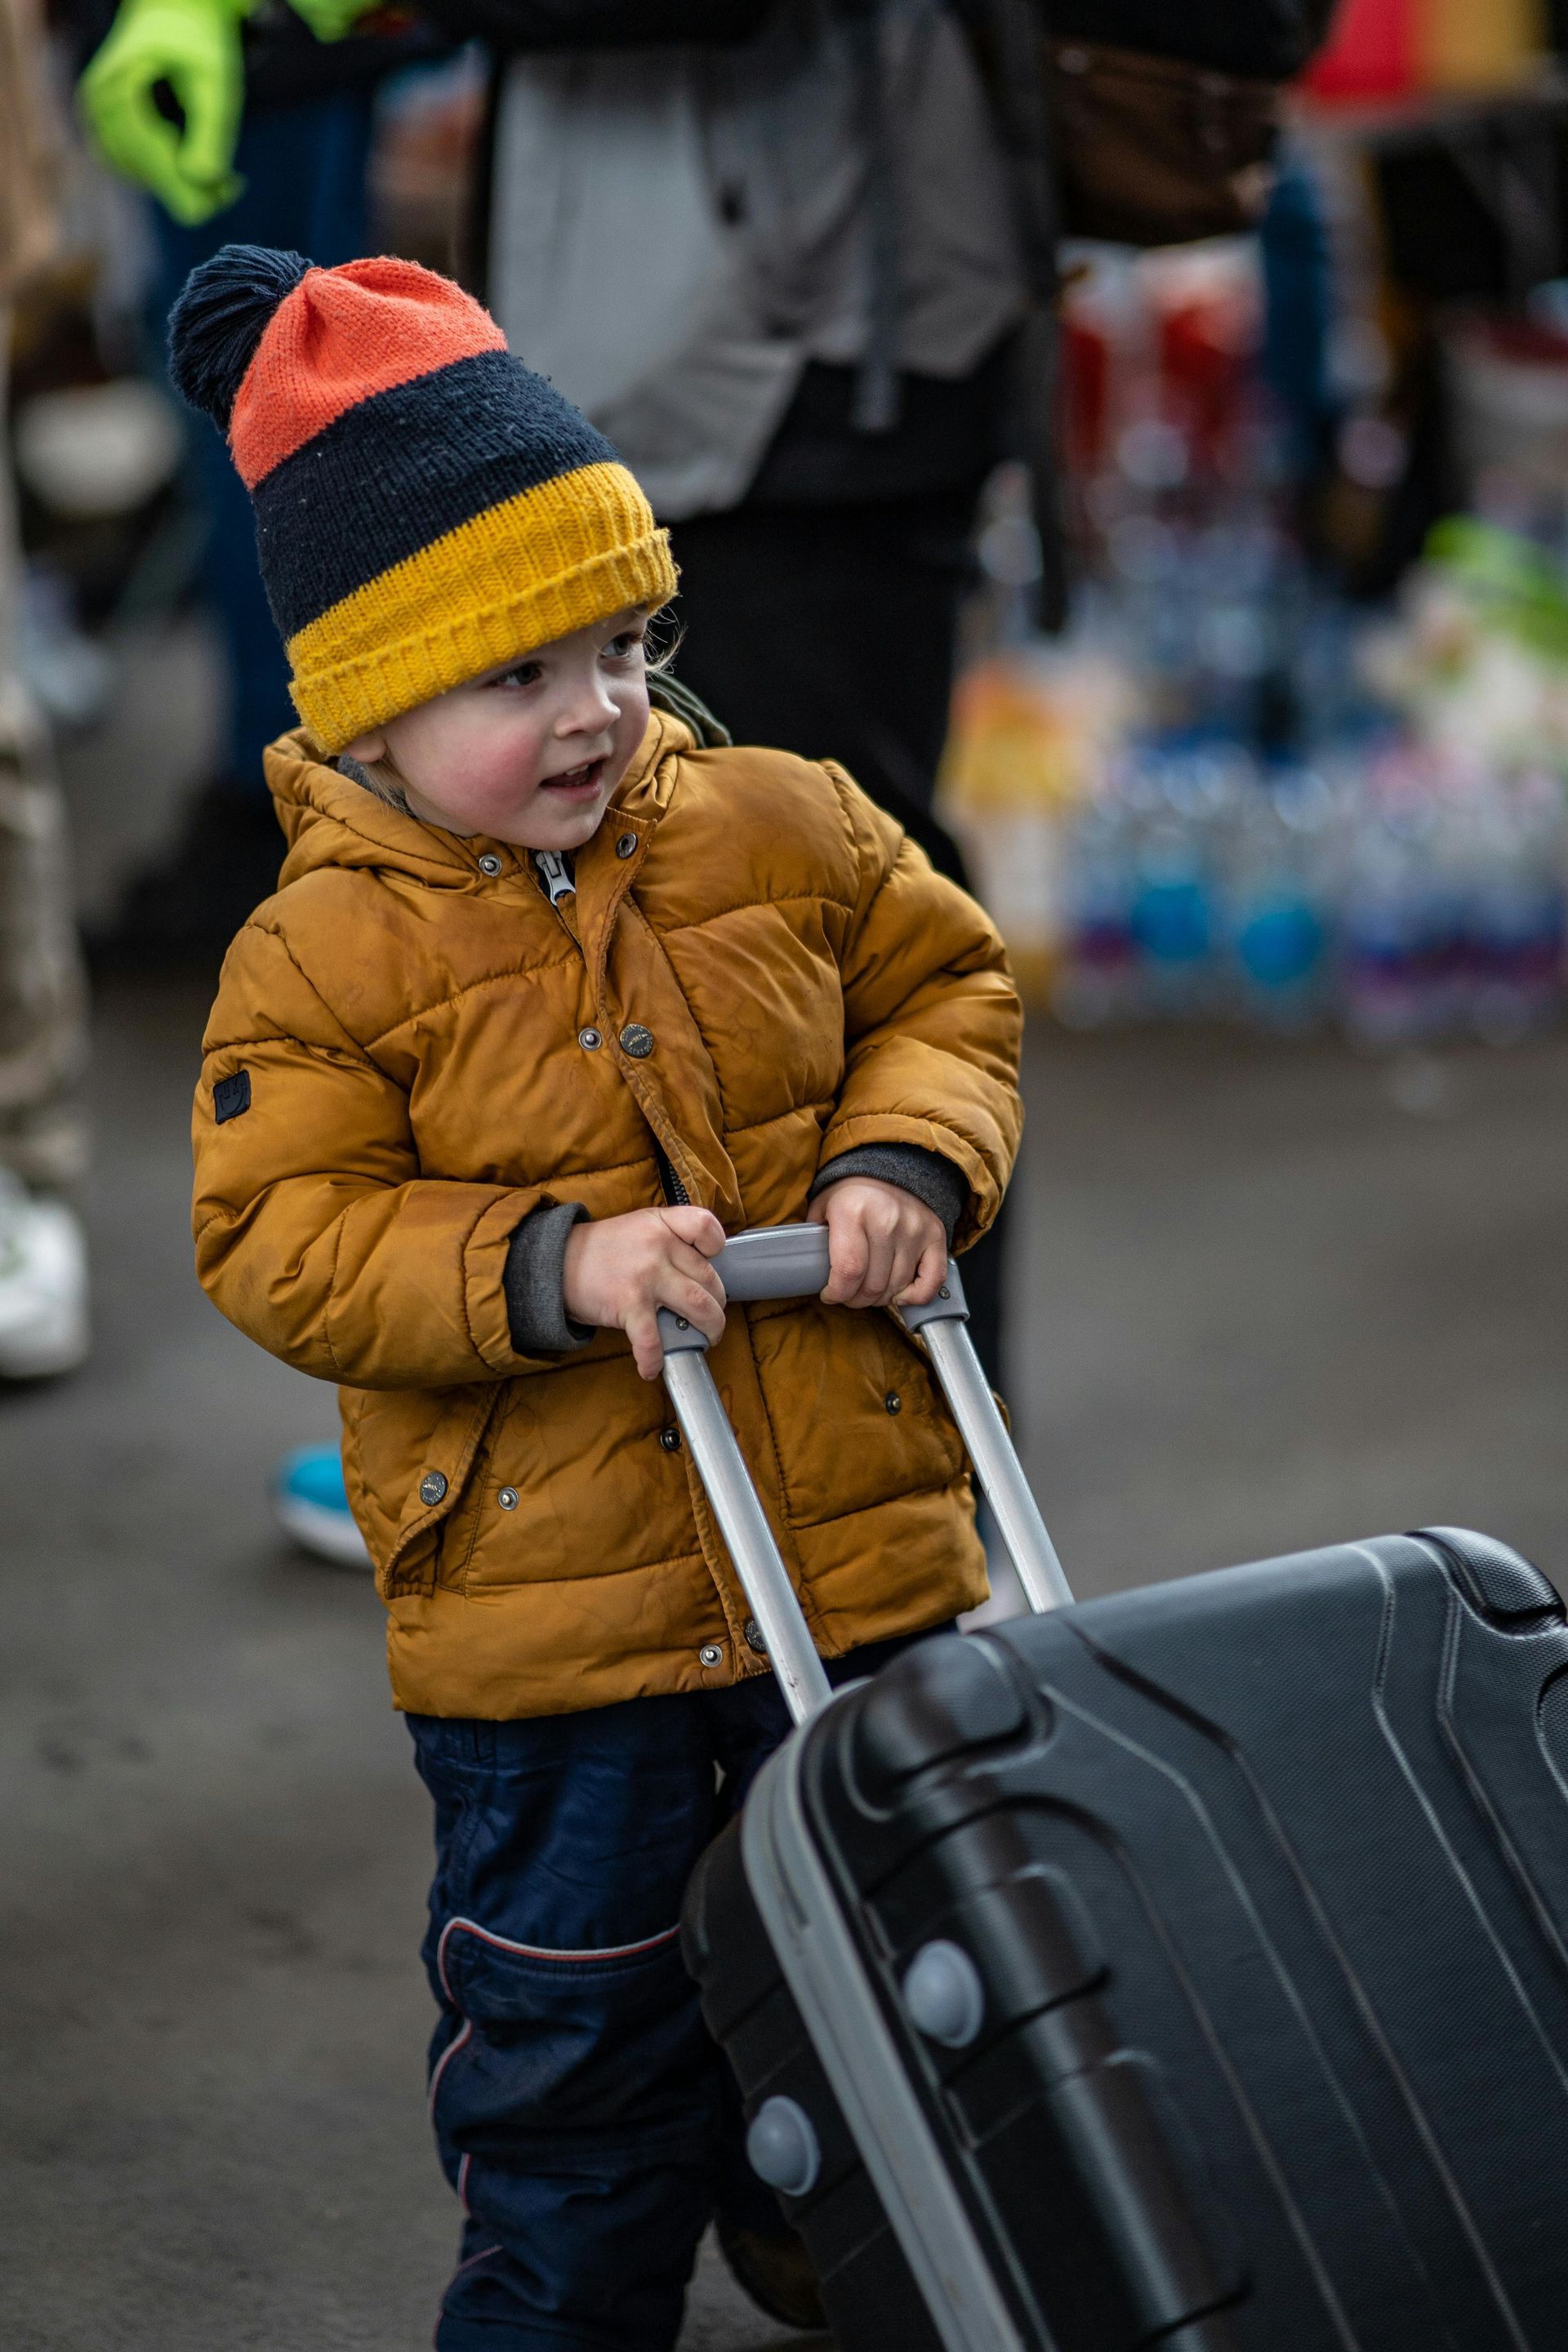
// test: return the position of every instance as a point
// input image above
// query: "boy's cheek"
(497, 771)
(634, 709)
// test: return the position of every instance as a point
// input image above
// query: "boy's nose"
(591, 713)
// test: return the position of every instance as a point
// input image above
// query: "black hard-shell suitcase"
(1184, 1968)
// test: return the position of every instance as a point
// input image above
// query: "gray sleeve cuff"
(926, 1175)
(534, 1278)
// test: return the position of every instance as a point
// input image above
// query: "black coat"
(1270, 40)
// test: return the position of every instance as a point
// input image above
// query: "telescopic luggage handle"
(792, 1261)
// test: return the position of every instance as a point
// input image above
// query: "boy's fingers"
(648, 1349)
(699, 1227)
(903, 1271)
(876, 1281)
(702, 1308)
(849, 1253)
(687, 1261)
(696, 1304)
(930, 1275)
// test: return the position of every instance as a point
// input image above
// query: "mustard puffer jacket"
(411, 1049)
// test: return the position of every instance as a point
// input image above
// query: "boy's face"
(529, 754)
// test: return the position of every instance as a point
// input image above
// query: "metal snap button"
(627, 845)
(893, 1402)
(590, 1040)
(753, 1634)
(944, 1292)
(507, 1498)
(709, 1654)
(432, 1486)
(671, 1439)
(490, 863)
(637, 1040)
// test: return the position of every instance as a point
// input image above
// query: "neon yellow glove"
(330, 19)
(194, 45)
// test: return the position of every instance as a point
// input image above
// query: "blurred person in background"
(794, 262)
(272, 147)
(43, 1031)
(821, 259)
(797, 261)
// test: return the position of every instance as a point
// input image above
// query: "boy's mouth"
(575, 783)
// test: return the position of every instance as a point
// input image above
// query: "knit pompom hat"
(426, 507)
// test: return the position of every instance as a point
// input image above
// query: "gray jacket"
(676, 231)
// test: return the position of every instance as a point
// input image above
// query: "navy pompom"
(220, 316)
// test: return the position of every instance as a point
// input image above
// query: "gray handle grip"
(774, 1262)
(792, 1261)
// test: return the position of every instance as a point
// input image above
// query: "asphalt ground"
(1256, 1304)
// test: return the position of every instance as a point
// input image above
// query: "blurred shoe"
(181, 913)
(43, 1286)
(775, 2271)
(311, 1503)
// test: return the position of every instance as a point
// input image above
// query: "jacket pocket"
(856, 1414)
(437, 1481)
(581, 1474)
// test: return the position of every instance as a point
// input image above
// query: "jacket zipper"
(675, 1191)
(556, 873)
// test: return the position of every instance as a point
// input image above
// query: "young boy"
(548, 1000)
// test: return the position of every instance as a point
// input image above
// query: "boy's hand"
(620, 1271)
(886, 1248)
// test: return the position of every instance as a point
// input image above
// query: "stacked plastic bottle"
(1230, 795)
(1402, 899)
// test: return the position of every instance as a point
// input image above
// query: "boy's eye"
(630, 641)
(524, 674)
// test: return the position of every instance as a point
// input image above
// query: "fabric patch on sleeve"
(231, 1096)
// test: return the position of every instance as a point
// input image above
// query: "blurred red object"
(1086, 363)
(1207, 346)
(1373, 51)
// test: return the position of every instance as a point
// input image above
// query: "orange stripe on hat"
(341, 335)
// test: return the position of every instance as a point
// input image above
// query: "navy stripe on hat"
(408, 465)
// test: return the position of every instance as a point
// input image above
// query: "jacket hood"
(329, 820)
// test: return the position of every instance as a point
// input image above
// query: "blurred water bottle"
(1277, 892)
(1397, 929)
(1098, 981)
(1192, 792)
(1515, 907)
(1173, 920)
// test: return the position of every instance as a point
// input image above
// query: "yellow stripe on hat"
(556, 557)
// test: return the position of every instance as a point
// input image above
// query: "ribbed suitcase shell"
(1265, 1876)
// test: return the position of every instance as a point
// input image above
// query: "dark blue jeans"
(582, 2114)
